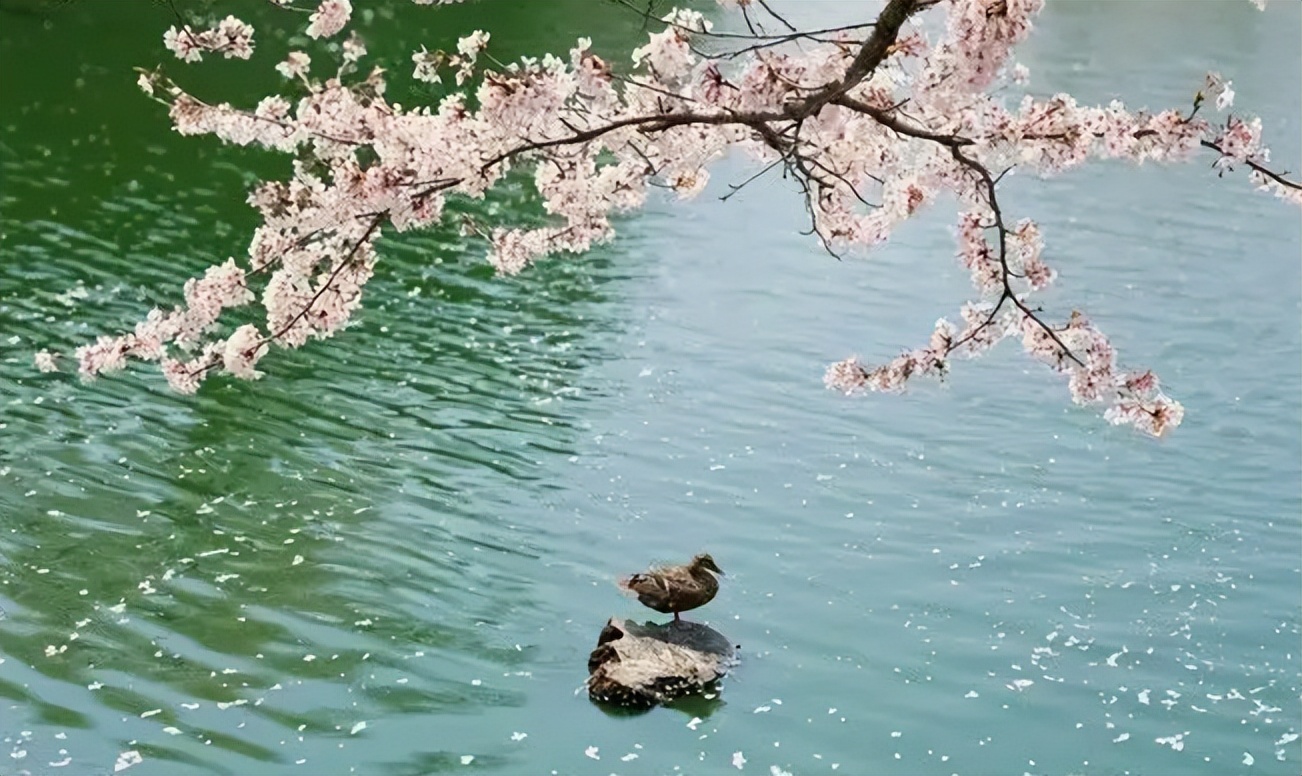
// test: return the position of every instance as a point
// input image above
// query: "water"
(415, 526)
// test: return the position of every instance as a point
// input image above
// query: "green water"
(415, 526)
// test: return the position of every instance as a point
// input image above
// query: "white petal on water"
(592, 752)
(297, 560)
(467, 759)
(694, 723)
(776, 771)
(150, 713)
(1020, 684)
(896, 733)
(1143, 697)
(629, 757)
(1120, 738)
(127, 759)
(1287, 738)
(762, 709)
(1247, 758)
(972, 694)
(172, 731)
(517, 736)
(359, 727)
(738, 760)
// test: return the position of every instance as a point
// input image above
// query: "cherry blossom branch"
(772, 39)
(1278, 177)
(992, 200)
(596, 142)
(885, 118)
(371, 229)
(871, 54)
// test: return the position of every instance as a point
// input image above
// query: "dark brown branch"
(1259, 168)
(874, 50)
(884, 117)
(988, 183)
(376, 220)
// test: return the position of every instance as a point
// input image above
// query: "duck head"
(704, 561)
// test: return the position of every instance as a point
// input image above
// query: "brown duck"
(676, 588)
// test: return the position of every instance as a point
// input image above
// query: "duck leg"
(676, 618)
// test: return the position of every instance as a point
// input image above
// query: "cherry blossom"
(46, 361)
(917, 108)
(242, 351)
(295, 65)
(329, 18)
(230, 37)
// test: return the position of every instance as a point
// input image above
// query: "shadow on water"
(702, 705)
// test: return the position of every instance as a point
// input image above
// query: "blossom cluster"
(829, 112)
(230, 37)
(329, 18)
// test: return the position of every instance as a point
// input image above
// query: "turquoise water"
(416, 526)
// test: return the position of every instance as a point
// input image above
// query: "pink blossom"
(184, 43)
(1026, 246)
(1240, 141)
(329, 18)
(295, 65)
(107, 354)
(1290, 194)
(184, 377)
(983, 328)
(1154, 417)
(427, 65)
(221, 286)
(668, 54)
(231, 38)
(689, 183)
(1219, 90)
(926, 126)
(354, 48)
(46, 361)
(243, 350)
(975, 254)
(848, 376)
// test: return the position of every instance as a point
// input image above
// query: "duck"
(674, 589)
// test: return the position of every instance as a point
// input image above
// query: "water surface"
(392, 555)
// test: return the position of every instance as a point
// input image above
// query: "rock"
(642, 665)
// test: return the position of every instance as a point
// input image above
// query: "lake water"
(393, 554)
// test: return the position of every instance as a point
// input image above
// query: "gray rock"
(641, 665)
